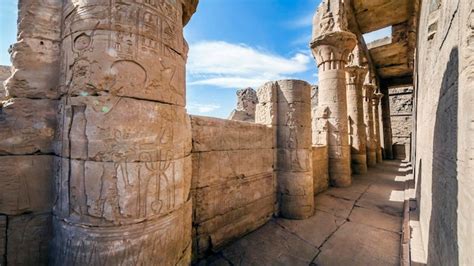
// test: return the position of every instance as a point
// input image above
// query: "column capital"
(368, 89)
(376, 98)
(332, 41)
(355, 74)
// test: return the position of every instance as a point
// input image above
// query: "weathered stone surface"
(271, 245)
(376, 113)
(28, 239)
(287, 107)
(238, 193)
(331, 45)
(320, 169)
(337, 206)
(210, 168)
(369, 121)
(3, 239)
(357, 136)
(27, 184)
(220, 230)
(5, 72)
(111, 53)
(246, 102)
(119, 193)
(145, 243)
(376, 219)
(107, 129)
(325, 223)
(27, 126)
(375, 247)
(213, 134)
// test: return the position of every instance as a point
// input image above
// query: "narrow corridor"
(358, 225)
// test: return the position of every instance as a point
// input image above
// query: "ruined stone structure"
(246, 102)
(286, 105)
(100, 164)
(5, 73)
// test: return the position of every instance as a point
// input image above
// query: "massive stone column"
(386, 124)
(357, 136)
(124, 139)
(27, 127)
(331, 45)
(376, 113)
(286, 104)
(368, 90)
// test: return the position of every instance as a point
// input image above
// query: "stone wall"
(233, 185)
(401, 108)
(444, 149)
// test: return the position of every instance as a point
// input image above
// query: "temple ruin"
(100, 163)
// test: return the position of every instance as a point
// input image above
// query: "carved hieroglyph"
(286, 105)
(124, 137)
(376, 113)
(331, 46)
(357, 137)
(368, 90)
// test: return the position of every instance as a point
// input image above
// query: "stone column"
(357, 135)
(27, 127)
(368, 90)
(376, 113)
(286, 104)
(386, 124)
(331, 45)
(124, 140)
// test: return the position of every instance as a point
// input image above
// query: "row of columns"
(348, 106)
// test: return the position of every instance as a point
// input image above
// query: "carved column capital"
(332, 42)
(355, 74)
(376, 98)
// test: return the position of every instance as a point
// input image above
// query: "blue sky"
(233, 45)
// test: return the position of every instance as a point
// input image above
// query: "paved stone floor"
(358, 225)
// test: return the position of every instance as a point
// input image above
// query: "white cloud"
(202, 108)
(228, 65)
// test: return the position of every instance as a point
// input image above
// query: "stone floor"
(358, 225)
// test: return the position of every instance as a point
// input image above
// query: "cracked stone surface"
(357, 225)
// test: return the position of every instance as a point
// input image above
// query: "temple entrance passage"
(357, 225)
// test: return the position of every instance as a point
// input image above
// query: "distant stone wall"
(233, 185)
(401, 108)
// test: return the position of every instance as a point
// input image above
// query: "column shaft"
(357, 135)
(286, 105)
(386, 124)
(376, 113)
(369, 125)
(124, 172)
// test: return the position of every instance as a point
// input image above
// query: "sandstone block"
(267, 93)
(295, 183)
(213, 134)
(296, 160)
(266, 113)
(122, 130)
(238, 193)
(297, 207)
(27, 126)
(161, 241)
(296, 137)
(292, 92)
(27, 184)
(222, 229)
(29, 237)
(116, 193)
(40, 19)
(217, 167)
(35, 69)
